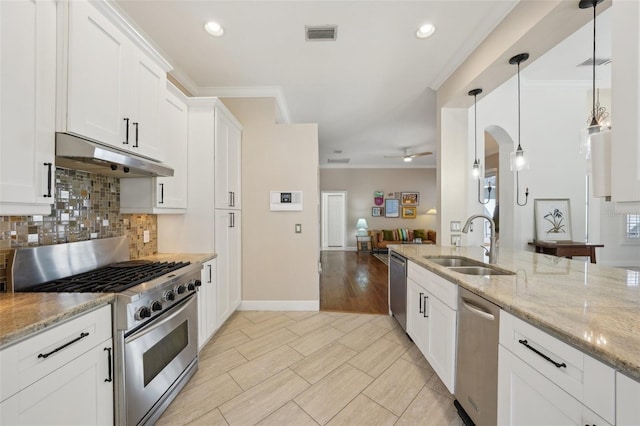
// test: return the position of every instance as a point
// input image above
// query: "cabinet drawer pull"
(126, 132)
(47, 355)
(49, 166)
(136, 126)
(421, 310)
(110, 378)
(557, 364)
(210, 276)
(161, 194)
(424, 315)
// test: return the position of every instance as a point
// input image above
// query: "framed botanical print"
(552, 219)
(410, 198)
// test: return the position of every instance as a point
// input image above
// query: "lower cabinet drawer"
(29, 360)
(584, 378)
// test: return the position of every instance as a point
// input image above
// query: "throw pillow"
(403, 234)
(431, 235)
(387, 235)
(420, 233)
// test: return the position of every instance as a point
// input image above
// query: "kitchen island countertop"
(592, 307)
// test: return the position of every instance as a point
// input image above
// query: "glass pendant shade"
(518, 160)
(475, 171)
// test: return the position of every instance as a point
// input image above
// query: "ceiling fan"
(408, 156)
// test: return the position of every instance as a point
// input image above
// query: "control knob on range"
(193, 284)
(180, 289)
(143, 313)
(169, 296)
(156, 306)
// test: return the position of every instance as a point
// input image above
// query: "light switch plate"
(455, 240)
(145, 237)
(455, 225)
(298, 228)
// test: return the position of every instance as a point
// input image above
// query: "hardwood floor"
(353, 282)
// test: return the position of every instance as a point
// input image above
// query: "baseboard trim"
(279, 305)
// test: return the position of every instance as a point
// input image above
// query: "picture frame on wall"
(391, 207)
(410, 198)
(377, 211)
(409, 212)
(552, 219)
(378, 198)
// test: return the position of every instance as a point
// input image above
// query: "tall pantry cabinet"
(211, 223)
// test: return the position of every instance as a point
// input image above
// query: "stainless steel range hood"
(76, 152)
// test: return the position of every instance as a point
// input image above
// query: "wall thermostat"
(285, 200)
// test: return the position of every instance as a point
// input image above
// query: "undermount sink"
(479, 270)
(453, 261)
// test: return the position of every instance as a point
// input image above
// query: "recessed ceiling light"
(425, 31)
(214, 29)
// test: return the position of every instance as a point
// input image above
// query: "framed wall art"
(391, 207)
(378, 198)
(410, 198)
(409, 212)
(377, 211)
(552, 219)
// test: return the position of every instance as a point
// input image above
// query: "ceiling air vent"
(599, 61)
(338, 160)
(321, 32)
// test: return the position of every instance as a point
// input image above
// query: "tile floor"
(312, 368)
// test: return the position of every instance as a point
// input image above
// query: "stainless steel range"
(154, 318)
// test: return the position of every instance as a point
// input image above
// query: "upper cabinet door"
(27, 108)
(234, 152)
(98, 63)
(148, 88)
(227, 162)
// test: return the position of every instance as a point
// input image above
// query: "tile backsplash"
(86, 206)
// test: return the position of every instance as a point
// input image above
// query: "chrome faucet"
(492, 252)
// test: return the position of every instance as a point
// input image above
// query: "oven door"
(157, 355)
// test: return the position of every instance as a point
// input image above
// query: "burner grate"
(110, 279)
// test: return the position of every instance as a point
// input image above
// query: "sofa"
(380, 239)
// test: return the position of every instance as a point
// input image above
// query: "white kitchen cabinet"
(229, 274)
(527, 397)
(625, 89)
(207, 303)
(432, 320)
(114, 87)
(163, 195)
(227, 163)
(27, 108)
(627, 401)
(63, 375)
(417, 320)
(565, 373)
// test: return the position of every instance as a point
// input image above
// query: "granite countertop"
(22, 314)
(594, 308)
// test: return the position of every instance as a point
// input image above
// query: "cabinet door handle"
(233, 199)
(420, 300)
(230, 199)
(49, 168)
(59, 348)
(230, 220)
(126, 132)
(110, 378)
(425, 307)
(557, 364)
(136, 126)
(210, 276)
(161, 194)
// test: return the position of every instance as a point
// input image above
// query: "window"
(632, 227)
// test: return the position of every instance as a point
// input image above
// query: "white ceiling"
(371, 91)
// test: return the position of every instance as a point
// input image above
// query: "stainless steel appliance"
(398, 288)
(155, 315)
(476, 389)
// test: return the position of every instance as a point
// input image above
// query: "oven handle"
(155, 325)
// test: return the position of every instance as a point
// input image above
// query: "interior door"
(333, 220)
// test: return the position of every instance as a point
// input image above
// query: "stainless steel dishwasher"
(477, 359)
(398, 288)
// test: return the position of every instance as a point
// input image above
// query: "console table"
(566, 248)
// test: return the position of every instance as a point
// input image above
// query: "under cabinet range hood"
(76, 152)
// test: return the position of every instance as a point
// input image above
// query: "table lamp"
(362, 227)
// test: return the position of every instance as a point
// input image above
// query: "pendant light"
(598, 114)
(518, 160)
(476, 170)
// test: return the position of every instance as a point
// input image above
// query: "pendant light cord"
(519, 146)
(475, 126)
(593, 109)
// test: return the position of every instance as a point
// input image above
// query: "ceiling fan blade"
(419, 154)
